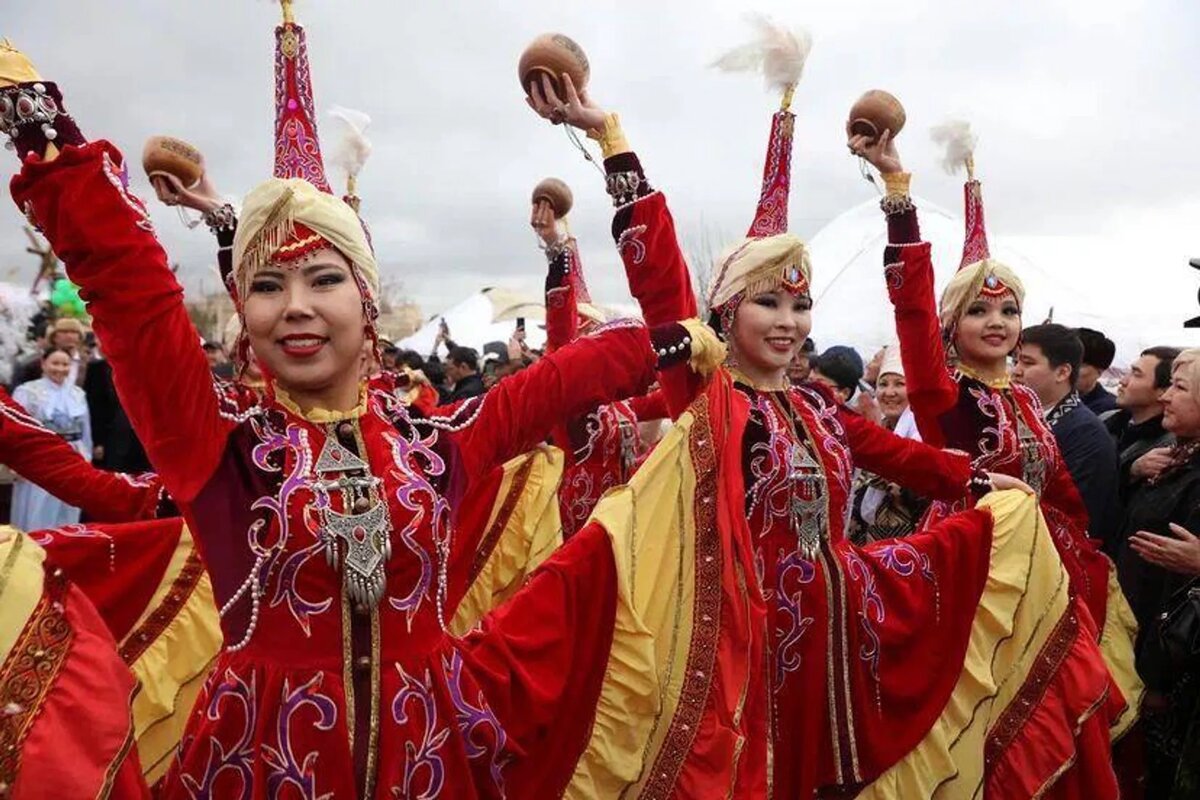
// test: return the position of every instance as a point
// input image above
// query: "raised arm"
(908, 272)
(521, 411)
(43, 458)
(80, 200)
(926, 470)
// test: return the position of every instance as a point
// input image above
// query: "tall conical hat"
(975, 243)
(297, 146)
(754, 264)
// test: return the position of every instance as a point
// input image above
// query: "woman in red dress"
(956, 364)
(602, 448)
(331, 517)
(820, 668)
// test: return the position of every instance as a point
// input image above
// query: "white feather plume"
(775, 51)
(354, 148)
(957, 141)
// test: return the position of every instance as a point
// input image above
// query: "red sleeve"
(41, 457)
(104, 236)
(657, 272)
(562, 305)
(926, 470)
(908, 269)
(650, 407)
(521, 410)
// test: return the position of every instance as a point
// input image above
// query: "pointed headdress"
(768, 257)
(978, 273)
(296, 213)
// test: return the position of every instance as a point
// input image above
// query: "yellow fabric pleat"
(652, 529)
(1025, 595)
(532, 533)
(172, 669)
(1116, 644)
(21, 581)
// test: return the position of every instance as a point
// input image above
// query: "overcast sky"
(1087, 116)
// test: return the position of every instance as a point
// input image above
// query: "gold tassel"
(288, 17)
(277, 228)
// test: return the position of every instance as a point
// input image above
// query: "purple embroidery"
(293, 440)
(422, 758)
(240, 759)
(285, 769)
(477, 718)
(787, 656)
(870, 613)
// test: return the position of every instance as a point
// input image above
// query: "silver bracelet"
(221, 218)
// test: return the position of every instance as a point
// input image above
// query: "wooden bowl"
(552, 54)
(166, 154)
(875, 112)
(557, 193)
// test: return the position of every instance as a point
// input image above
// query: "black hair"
(52, 349)
(1059, 344)
(842, 365)
(465, 357)
(1162, 370)
(1098, 350)
(410, 358)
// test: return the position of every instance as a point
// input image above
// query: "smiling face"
(988, 331)
(891, 392)
(56, 366)
(305, 323)
(768, 330)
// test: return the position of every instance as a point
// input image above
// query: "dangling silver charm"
(808, 501)
(367, 549)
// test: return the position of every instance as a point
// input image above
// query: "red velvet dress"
(850, 654)
(40, 456)
(602, 447)
(1003, 430)
(314, 695)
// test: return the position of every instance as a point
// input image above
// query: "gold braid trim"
(279, 227)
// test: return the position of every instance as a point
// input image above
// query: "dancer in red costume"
(826, 669)
(956, 364)
(602, 448)
(328, 515)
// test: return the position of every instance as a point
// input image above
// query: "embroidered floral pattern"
(424, 770)
(229, 692)
(477, 719)
(285, 769)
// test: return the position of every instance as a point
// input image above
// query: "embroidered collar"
(740, 377)
(321, 416)
(1062, 408)
(994, 383)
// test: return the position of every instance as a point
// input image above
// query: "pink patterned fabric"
(297, 148)
(771, 218)
(975, 245)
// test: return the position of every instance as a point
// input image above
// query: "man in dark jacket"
(1048, 363)
(1137, 424)
(462, 370)
(1098, 354)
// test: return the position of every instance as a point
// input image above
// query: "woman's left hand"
(1000, 482)
(880, 152)
(1180, 553)
(576, 109)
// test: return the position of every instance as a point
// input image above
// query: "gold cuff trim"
(611, 138)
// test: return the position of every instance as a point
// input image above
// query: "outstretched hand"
(1000, 482)
(880, 152)
(1180, 553)
(172, 192)
(576, 109)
